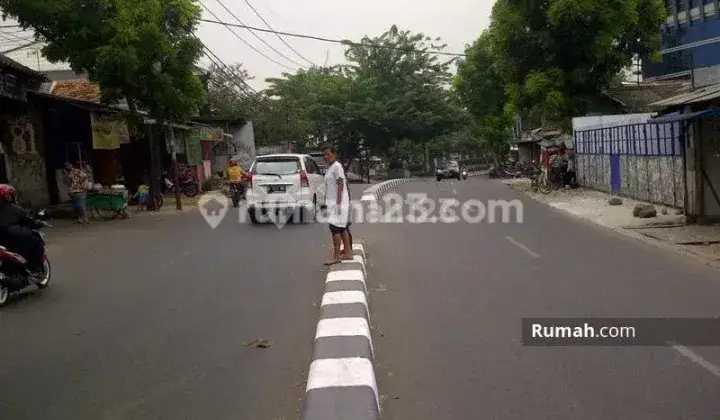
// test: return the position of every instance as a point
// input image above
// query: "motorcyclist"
(16, 229)
(235, 176)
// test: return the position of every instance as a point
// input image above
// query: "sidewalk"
(667, 230)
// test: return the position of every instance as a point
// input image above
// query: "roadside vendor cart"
(107, 203)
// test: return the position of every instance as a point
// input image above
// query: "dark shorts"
(335, 230)
(78, 203)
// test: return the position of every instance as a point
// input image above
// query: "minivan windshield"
(276, 166)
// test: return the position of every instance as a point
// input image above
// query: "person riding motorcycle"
(235, 176)
(16, 229)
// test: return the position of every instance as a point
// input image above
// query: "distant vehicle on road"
(398, 169)
(284, 183)
(449, 170)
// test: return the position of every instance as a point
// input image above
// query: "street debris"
(259, 344)
(615, 201)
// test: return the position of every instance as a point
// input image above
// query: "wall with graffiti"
(23, 152)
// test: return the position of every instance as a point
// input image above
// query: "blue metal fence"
(644, 139)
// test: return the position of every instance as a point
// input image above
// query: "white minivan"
(284, 183)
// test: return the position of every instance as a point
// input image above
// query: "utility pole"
(176, 175)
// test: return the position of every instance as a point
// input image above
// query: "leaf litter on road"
(259, 344)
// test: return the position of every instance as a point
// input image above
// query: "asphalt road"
(148, 319)
(448, 301)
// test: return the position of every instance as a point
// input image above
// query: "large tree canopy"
(392, 89)
(481, 90)
(556, 55)
(144, 52)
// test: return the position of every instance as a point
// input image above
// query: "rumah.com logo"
(391, 208)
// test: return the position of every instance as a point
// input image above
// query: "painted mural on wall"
(26, 166)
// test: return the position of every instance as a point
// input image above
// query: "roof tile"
(79, 90)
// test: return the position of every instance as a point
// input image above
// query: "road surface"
(448, 301)
(148, 319)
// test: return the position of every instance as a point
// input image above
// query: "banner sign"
(210, 133)
(105, 132)
(193, 147)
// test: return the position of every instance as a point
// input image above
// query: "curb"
(374, 192)
(341, 383)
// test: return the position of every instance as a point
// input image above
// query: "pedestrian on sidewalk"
(337, 200)
(76, 180)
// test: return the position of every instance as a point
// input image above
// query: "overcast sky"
(457, 22)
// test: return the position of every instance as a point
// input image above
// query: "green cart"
(107, 205)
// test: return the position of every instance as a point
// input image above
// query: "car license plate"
(276, 188)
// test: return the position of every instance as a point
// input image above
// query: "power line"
(247, 86)
(276, 34)
(334, 41)
(229, 27)
(20, 47)
(259, 37)
(247, 99)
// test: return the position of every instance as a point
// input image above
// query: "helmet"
(7, 193)
(233, 163)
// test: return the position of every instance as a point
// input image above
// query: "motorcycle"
(464, 174)
(237, 193)
(14, 273)
(188, 186)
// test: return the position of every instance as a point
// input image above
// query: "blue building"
(691, 40)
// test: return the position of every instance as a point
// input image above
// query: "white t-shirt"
(337, 216)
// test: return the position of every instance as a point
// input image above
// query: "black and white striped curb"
(374, 192)
(341, 384)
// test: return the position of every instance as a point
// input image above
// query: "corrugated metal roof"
(9, 62)
(698, 95)
(676, 116)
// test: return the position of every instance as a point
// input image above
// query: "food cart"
(107, 203)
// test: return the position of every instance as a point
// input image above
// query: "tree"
(481, 91)
(228, 96)
(142, 52)
(556, 56)
(405, 88)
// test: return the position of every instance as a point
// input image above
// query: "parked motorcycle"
(14, 274)
(188, 186)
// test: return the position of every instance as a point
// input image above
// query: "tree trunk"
(176, 174)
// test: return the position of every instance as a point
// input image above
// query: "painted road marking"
(523, 247)
(344, 327)
(348, 372)
(348, 296)
(346, 275)
(357, 259)
(715, 370)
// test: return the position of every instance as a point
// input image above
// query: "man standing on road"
(337, 200)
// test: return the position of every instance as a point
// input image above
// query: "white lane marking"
(344, 327)
(523, 247)
(345, 296)
(354, 371)
(346, 275)
(715, 370)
